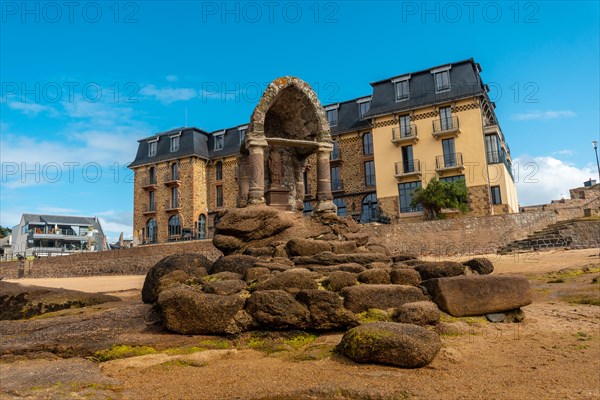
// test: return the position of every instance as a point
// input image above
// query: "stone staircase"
(577, 233)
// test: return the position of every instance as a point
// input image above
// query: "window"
(493, 150)
(174, 143)
(335, 153)
(242, 134)
(151, 231)
(152, 146)
(363, 107)
(174, 197)
(152, 175)
(446, 118)
(332, 117)
(367, 144)
(306, 187)
(402, 90)
(452, 178)
(408, 162)
(496, 197)
(174, 226)
(336, 179)
(449, 152)
(151, 202)
(175, 171)
(405, 191)
(24, 229)
(370, 173)
(219, 171)
(405, 126)
(219, 193)
(308, 208)
(341, 207)
(369, 208)
(202, 226)
(219, 141)
(442, 81)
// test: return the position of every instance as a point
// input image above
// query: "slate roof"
(464, 82)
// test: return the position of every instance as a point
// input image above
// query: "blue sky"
(82, 83)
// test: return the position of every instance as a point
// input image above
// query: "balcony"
(149, 183)
(149, 208)
(172, 179)
(403, 135)
(449, 162)
(55, 234)
(337, 185)
(173, 204)
(405, 169)
(445, 127)
(499, 157)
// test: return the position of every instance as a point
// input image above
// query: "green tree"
(440, 194)
(4, 232)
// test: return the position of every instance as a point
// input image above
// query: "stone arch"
(286, 127)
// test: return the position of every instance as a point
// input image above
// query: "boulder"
(277, 309)
(350, 267)
(222, 276)
(378, 248)
(363, 297)
(360, 239)
(343, 247)
(225, 288)
(405, 276)
(252, 274)
(188, 311)
(252, 223)
(442, 269)
(237, 263)
(470, 295)
(326, 310)
(193, 264)
(374, 277)
(403, 257)
(227, 244)
(171, 279)
(417, 313)
(329, 258)
(507, 316)
(306, 247)
(402, 345)
(379, 265)
(287, 280)
(260, 251)
(338, 280)
(482, 266)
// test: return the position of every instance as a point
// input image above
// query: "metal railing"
(445, 124)
(171, 176)
(450, 160)
(497, 157)
(173, 203)
(148, 181)
(408, 167)
(149, 207)
(404, 132)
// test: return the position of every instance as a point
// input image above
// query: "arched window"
(219, 170)
(202, 226)
(341, 207)
(367, 143)
(369, 208)
(151, 231)
(174, 226)
(175, 171)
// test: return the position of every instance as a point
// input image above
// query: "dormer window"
(174, 146)
(242, 131)
(219, 141)
(332, 115)
(363, 107)
(441, 78)
(402, 87)
(152, 147)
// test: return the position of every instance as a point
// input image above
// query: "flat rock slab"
(402, 345)
(470, 295)
(364, 297)
(329, 258)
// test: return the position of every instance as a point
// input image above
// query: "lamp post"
(595, 144)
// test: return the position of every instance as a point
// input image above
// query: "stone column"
(243, 176)
(324, 196)
(256, 161)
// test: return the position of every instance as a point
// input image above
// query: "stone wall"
(134, 261)
(465, 235)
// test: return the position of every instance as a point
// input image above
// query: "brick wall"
(134, 261)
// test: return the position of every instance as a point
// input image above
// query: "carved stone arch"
(288, 125)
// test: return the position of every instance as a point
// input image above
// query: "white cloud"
(543, 115)
(172, 78)
(565, 152)
(168, 95)
(31, 109)
(543, 179)
(114, 222)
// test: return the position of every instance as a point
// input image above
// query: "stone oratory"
(288, 125)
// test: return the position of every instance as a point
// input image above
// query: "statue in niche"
(275, 168)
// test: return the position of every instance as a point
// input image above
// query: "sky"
(82, 81)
